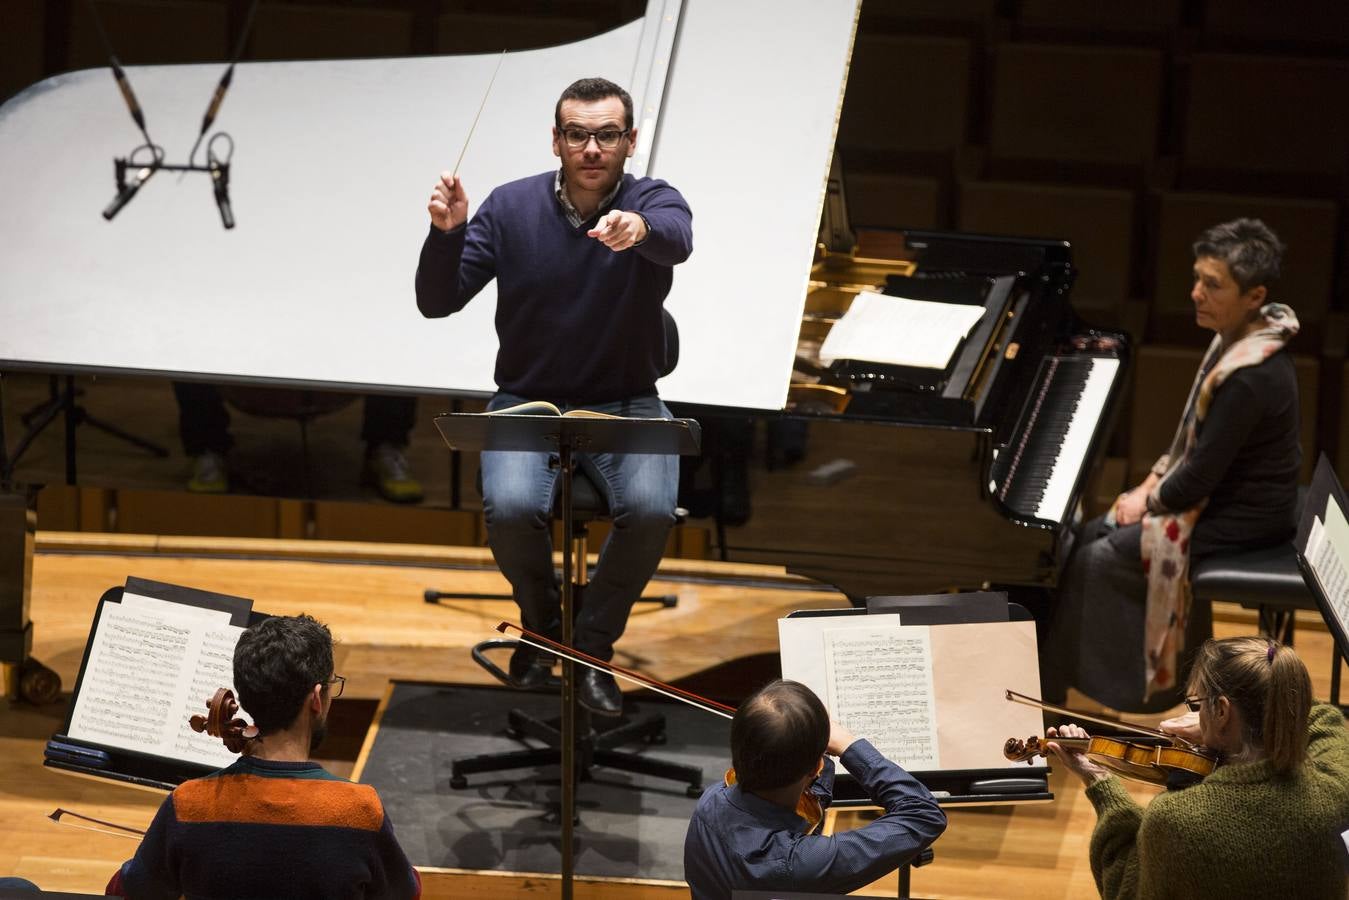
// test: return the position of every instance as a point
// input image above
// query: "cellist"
(273, 824)
(1266, 823)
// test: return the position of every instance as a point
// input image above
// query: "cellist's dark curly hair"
(277, 662)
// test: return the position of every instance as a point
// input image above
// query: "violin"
(807, 805)
(220, 722)
(1154, 763)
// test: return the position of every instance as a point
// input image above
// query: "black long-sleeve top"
(1245, 460)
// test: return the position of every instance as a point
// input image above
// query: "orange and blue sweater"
(269, 829)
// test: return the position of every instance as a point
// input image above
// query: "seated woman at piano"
(1122, 625)
(1265, 823)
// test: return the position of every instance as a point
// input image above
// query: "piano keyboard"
(1054, 440)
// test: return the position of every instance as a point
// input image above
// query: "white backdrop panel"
(333, 166)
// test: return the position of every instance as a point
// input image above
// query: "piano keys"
(919, 481)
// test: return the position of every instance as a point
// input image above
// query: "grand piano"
(925, 481)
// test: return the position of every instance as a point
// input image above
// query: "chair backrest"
(671, 343)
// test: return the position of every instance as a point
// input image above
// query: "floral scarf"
(1166, 533)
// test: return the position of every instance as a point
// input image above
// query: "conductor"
(584, 258)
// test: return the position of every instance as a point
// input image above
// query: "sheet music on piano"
(899, 331)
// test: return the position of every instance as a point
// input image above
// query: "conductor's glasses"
(607, 139)
(341, 683)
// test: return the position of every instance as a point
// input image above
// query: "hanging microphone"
(126, 190)
(129, 96)
(220, 178)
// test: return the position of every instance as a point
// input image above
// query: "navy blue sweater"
(269, 829)
(576, 321)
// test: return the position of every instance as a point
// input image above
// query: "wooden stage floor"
(371, 596)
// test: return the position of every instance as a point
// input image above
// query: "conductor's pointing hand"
(619, 230)
(449, 204)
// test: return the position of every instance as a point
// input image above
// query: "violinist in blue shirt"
(757, 830)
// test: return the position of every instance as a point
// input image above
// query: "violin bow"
(525, 636)
(481, 106)
(60, 815)
(1031, 701)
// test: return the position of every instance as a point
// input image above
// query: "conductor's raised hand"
(619, 230)
(449, 204)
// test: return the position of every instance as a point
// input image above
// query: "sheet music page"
(1328, 553)
(152, 664)
(802, 648)
(880, 688)
(898, 331)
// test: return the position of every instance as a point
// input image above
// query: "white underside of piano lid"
(333, 164)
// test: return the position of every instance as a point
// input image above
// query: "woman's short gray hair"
(1250, 248)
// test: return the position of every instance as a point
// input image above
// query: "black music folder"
(155, 656)
(1322, 546)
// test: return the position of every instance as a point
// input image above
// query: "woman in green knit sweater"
(1266, 823)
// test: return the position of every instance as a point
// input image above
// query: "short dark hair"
(277, 662)
(1249, 247)
(589, 90)
(778, 735)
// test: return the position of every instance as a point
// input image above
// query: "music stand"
(566, 435)
(1322, 546)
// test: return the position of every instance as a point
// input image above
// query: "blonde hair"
(1271, 687)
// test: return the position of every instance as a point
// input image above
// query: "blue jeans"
(518, 490)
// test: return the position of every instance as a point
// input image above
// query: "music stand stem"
(488, 431)
(568, 766)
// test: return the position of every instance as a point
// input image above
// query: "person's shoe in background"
(209, 475)
(387, 470)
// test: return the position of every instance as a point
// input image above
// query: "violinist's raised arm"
(1265, 823)
(756, 831)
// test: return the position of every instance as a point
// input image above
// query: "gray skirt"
(1095, 641)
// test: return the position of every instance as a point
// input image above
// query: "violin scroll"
(220, 721)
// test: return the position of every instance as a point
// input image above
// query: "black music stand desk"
(566, 435)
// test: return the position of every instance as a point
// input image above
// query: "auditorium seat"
(892, 200)
(329, 31)
(1343, 466)
(1143, 22)
(21, 46)
(1162, 378)
(907, 103)
(1276, 122)
(1307, 228)
(1294, 27)
(144, 32)
(970, 18)
(464, 32)
(1099, 222)
(1074, 113)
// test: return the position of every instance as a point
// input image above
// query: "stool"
(594, 747)
(1268, 581)
(588, 504)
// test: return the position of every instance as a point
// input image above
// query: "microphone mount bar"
(141, 172)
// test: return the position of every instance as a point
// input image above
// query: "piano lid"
(334, 160)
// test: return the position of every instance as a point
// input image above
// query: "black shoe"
(598, 692)
(530, 667)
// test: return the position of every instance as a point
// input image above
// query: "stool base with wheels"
(593, 747)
